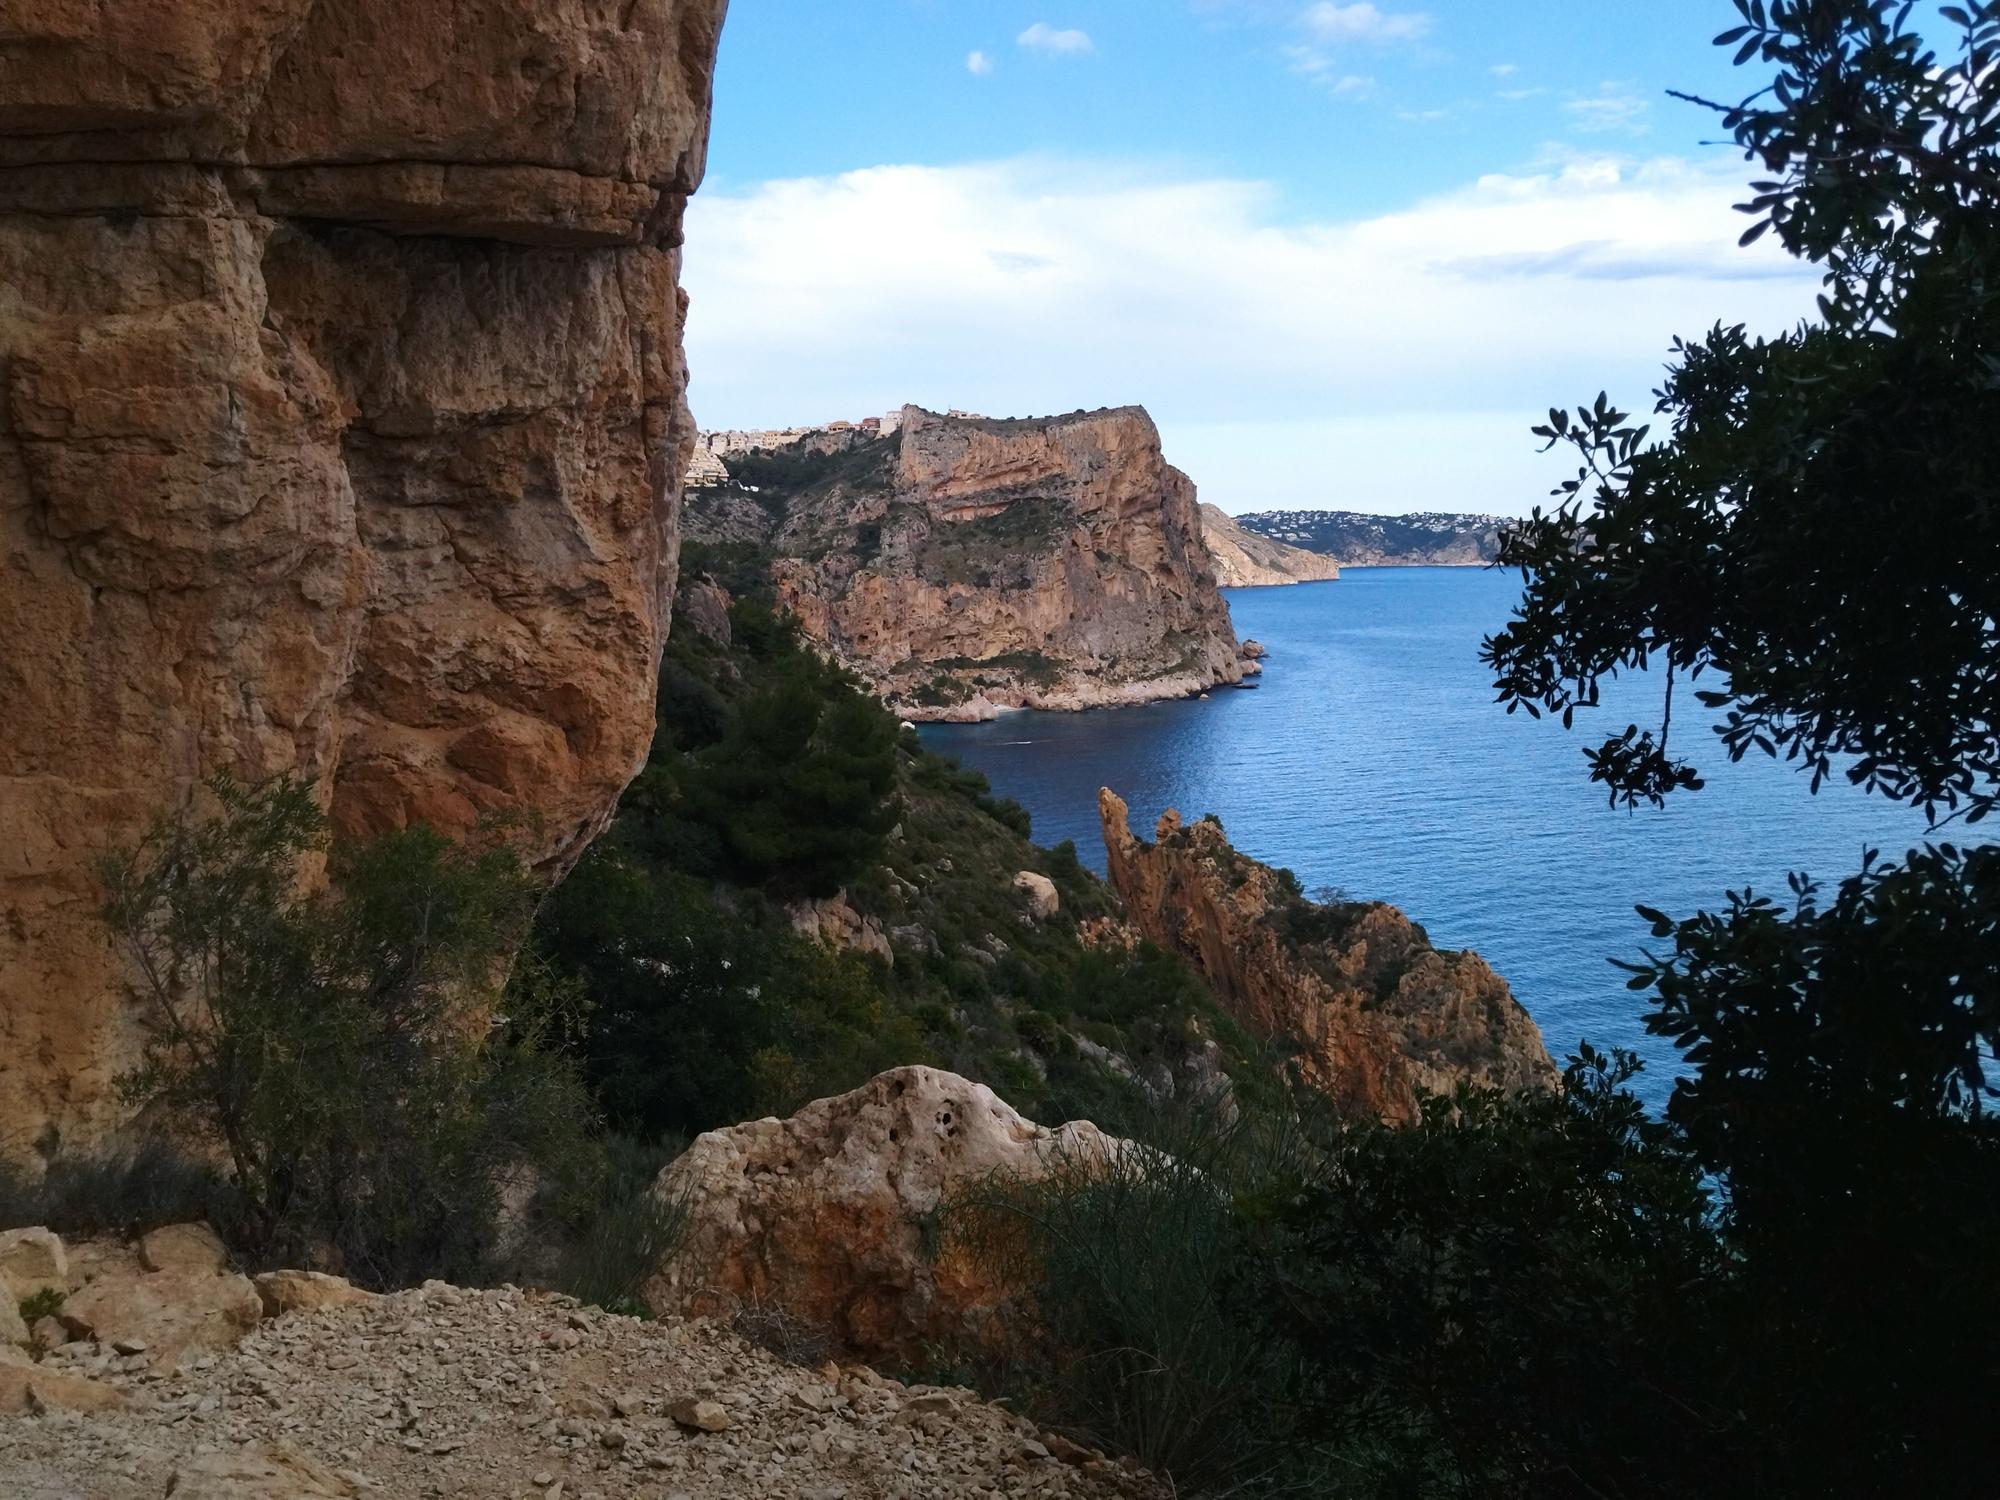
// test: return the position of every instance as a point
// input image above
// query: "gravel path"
(449, 1392)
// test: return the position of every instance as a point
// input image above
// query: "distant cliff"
(964, 564)
(1244, 559)
(1375, 1011)
(1355, 540)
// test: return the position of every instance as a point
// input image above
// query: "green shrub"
(610, 1230)
(1126, 1333)
(343, 1052)
(45, 1303)
(1517, 1296)
(122, 1193)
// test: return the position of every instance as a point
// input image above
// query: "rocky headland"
(1377, 1015)
(1244, 559)
(341, 433)
(1431, 539)
(963, 564)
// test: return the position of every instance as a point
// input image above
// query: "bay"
(1372, 759)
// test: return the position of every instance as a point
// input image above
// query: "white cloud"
(1068, 42)
(1393, 362)
(1611, 106)
(1331, 29)
(978, 64)
(1363, 23)
(1504, 70)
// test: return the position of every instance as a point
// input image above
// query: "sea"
(1372, 759)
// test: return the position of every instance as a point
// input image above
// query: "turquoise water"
(1373, 758)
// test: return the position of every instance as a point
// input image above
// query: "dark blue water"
(1373, 758)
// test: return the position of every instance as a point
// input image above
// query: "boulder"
(701, 1416)
(1039, 892)
(183, 1247)
(306, 1291)
(91, 1259)
(30, 1388)
(263, 1471)
(168, 1312)
(31, 1260)
(13, 1327)
(824, 1216)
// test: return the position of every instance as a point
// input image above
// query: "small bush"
(41, 1304)
(1128, 1268)
(343, 1053)
(612, 1231)
(119, 1193)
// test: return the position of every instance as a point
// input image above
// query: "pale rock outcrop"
(13, 1327)
(1039, 894)
(1243, 559)
(823, 1215)
(264, 1471)
(704, 604)
(32, 1260)
(341, 424)
(1376, 1012)
(306, 1291)
(183, 1247)
(966, 564)
(164, 1314)
(833, 922)
(28, 1388)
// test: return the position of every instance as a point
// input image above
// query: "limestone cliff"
(341, 424)
(1243, 559)
(1375, 1011)
(962, 564)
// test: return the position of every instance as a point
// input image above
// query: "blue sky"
(1344, 252)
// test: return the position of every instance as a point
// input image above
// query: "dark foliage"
(1511, 1297)
(1815, 547)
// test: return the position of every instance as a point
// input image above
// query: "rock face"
(822, 1215)
(963, 564)
(1376, 1012)
(1243, 559)
(341, 421)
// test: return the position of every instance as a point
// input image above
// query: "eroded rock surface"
(965, 564)
(824, 1215)
(1377, 1013)
(341, 420)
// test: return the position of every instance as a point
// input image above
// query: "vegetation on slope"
(776, 780)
